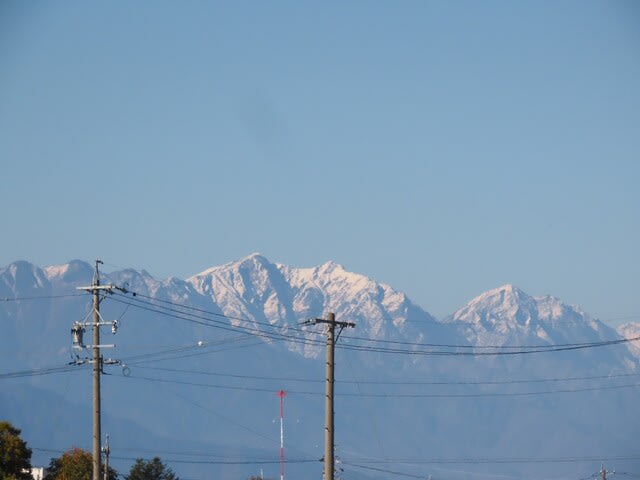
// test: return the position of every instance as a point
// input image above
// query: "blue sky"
(445, 148)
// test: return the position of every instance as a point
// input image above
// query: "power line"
(397, 461)
(39, 371)
(154, 301)
(524, 350)
(205, 321)
(496, 460)
(494, 347)
(222, 461)
(384, 470)
(533, 348)
(39, 297)
(390, 395)
(391, 382)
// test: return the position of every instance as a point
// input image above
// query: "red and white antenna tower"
(281, 394)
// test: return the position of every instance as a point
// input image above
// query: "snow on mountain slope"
(23, 278)
(453, 414)
(631, 330)
(283, 296)
(69, 275)
(507, 315)
(251, 288)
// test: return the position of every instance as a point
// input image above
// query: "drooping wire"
(347, 346)
(394, 382)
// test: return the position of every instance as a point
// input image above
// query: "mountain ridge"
(447, 404)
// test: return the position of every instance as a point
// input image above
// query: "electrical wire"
(198, 462)
(387, 395)
(306, 341)
(480, 347)
(525, 351)
(391, 382)
(154, 301)
(205, 321)
(39, 297)
(385, 470)
(495, 460)
(533, 348)
(38, 372)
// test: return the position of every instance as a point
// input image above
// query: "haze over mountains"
(207, 353)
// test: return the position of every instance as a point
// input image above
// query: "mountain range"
(507, 376)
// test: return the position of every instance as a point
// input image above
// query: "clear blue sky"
(445, 148)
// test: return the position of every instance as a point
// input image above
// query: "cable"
(39, 297)
(198, 319)
(303, 340)
(385, 395)
(495, 347)
(495, 460)
(528, 348)
(197, 462)
(200, 310)
(40, 371)
(552, 348)
(384, 470)
(396, 383)
(199, 346)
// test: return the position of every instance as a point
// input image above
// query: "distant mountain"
(207, 353)
(509, 316)
(259, 291)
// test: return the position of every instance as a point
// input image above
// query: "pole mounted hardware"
(99, 293)
(332, 338)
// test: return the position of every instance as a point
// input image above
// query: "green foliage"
(15, 457)
(152, 469)
(75, 464)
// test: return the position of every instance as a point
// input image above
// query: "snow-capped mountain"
(508, 316)
(441, 404)
(255, 289)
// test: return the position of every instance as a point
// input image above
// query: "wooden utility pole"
(329, 462)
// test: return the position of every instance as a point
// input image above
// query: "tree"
(75, 464)
(152, 469)
(15, 457)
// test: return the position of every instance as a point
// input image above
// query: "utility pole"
(329, 465)
(96, 360)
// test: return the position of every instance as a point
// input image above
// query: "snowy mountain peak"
(330, 267)
(21, 277)
(508, 315)
(74, 271)
(253, 288)
(255, 259)
(505, 304)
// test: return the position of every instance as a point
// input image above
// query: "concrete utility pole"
(96, 358)
(329, 465)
